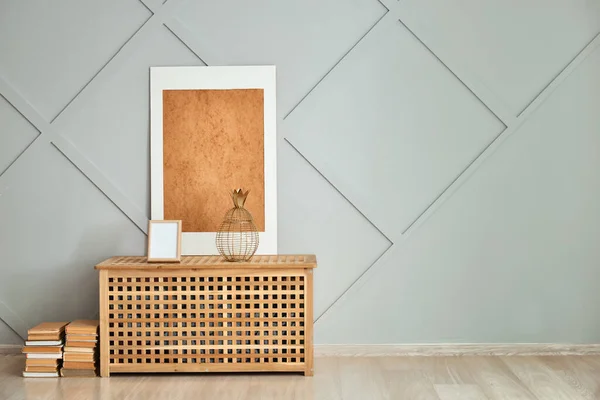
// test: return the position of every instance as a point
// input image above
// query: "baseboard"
(10, 348)
(455, 349)
(450, 349)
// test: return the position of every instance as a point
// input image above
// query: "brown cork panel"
(213, 142)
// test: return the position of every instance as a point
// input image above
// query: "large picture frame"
(191, 102)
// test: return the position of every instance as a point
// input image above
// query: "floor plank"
(325, 384)
(410, 385)
(449, 370)
(496, 380)
(118, 387)
(578, 372)
(460, 392)
(364, 373)
(157, 387)
(540, 379)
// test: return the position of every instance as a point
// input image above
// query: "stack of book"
(44, 350)
(81, 349)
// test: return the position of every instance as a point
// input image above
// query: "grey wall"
(8, 336)
(440, 158)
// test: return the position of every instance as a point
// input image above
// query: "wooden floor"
(439, 378)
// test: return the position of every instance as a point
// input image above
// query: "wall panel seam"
(386, 14)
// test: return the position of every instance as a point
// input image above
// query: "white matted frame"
(164, 241)
(228, 77)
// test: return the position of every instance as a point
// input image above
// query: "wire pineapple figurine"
(237, 237)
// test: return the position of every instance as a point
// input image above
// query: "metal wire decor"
(237, 237)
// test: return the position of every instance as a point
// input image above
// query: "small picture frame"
(164, 241)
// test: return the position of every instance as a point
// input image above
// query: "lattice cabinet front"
(206, 315)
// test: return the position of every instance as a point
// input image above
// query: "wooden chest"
(206, 315)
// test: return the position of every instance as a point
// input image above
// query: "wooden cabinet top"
(198, 262)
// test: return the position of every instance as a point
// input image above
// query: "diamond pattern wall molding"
(423, 108)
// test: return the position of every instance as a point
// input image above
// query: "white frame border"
(229, 77)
